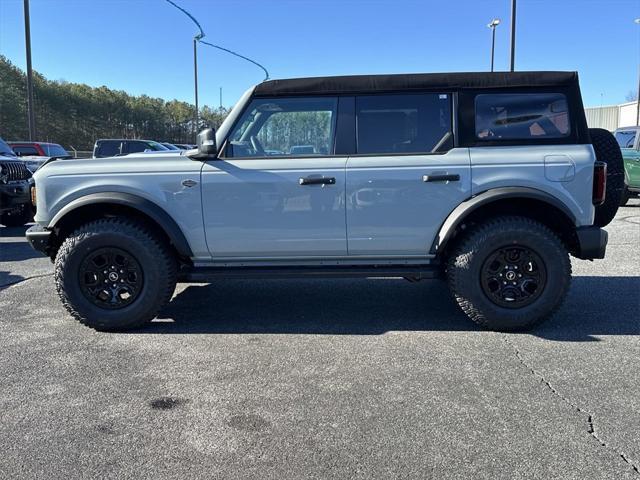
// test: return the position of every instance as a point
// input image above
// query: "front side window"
(626, 138)
(289, 127)
(521, 116)
(397, 124)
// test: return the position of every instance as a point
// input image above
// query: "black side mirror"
(206, 145)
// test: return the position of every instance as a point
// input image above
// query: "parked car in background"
(15, 189)
(629, 140)
(35, 154)
(490, 180)
(115, 147)
(185, 146)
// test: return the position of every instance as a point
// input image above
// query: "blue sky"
(144, 46)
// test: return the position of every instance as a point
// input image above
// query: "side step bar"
(209, 274)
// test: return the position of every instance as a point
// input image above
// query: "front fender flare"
(462, 211)
(147, 207)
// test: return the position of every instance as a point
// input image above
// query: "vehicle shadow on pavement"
(17, 252)
(13, 231)
(595, 306)
(7, 279)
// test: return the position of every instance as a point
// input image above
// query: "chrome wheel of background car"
(513, 277)
(110, 278)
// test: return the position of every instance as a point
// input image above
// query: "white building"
(612, 116)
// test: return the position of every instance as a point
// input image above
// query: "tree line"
(75, 114)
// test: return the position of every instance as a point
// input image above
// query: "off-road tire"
(158, 264)
(17, 219)
(626, 195)
(608, 151)
(465, 264)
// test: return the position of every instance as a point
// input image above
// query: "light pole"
(494, 23)
(637, 22)
(513, 36)
(27, 37)
(195, 79)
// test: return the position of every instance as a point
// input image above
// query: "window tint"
(626, 138)
(521, 116)
(110, 148)
(285, 127)
(23, 151)
(404, 123)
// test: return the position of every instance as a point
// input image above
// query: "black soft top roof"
(414, 81)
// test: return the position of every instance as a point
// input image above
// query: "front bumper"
(592, 242)
(39, 238)
(14, 195)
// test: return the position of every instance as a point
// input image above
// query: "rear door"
(406, 176)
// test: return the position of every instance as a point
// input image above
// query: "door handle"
(454, 177)
(317, 181)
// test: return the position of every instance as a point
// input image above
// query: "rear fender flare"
(462, 211)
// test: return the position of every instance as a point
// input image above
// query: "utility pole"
(494, 23)
(195, 77)
(637, 22)
(220, 97)
(27, 37)
(513, 36)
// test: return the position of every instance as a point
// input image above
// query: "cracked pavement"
(323, 379)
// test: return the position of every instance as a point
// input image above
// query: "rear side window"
(54, 150)
(397, 124)
(522, 116)
(24, 151)
(108, 149)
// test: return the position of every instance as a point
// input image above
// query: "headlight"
(33, 195)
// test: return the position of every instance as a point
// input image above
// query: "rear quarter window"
(521, 116)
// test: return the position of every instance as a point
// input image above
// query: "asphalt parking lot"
(323, 379)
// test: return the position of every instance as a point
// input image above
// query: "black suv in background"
(15, 189)
(115, 147)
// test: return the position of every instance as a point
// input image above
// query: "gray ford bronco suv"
(489, 180)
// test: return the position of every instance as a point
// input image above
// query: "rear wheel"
(509, 274)
(608, 151)
(114, 274)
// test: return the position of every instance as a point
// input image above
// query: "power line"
(193, 19)
(266, 73)
(201, 35)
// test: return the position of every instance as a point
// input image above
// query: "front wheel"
(114, 274)
(509, 274)
(626, 195)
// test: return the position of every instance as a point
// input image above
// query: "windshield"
(626, 138)
(170, 146)
(155, 146)
(6, 149)
(54, 150)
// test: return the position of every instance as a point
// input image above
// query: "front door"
(278, 190)
(406, 176)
